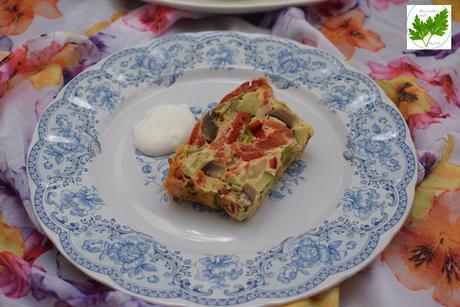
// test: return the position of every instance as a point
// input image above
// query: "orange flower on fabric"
(94, 29)
(17, 15)
(11, 239)
(444, 176)
(426, 253)
(347, 32)
(407, 95)
(419, 109)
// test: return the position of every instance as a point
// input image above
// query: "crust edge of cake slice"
(204, 170)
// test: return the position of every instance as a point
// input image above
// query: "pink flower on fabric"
(402, 66)
(423, 120)
(155, 18)
(15, 271)
(10, 64)
(24, 59)
(141, 18)
(15, 275)
(381, 5)
(446, 79)
(36, 245)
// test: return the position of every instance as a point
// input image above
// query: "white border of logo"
(434, 42)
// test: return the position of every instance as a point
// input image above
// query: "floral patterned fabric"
(421, 267)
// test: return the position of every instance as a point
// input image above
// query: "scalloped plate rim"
(337, 278)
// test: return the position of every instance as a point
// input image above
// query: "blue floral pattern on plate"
(218, 269)
(78, 220)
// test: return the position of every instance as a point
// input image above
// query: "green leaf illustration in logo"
(432, 26)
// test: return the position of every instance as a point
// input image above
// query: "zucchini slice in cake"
(238, 151)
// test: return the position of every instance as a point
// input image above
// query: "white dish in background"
(231, 7)
(102, 203)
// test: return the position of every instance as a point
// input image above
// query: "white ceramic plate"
(101, 201)
(231, 7)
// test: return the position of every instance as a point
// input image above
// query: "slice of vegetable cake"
(238, 151)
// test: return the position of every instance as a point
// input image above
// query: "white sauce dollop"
(163, 128)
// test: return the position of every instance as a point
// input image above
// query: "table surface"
(421, 267)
